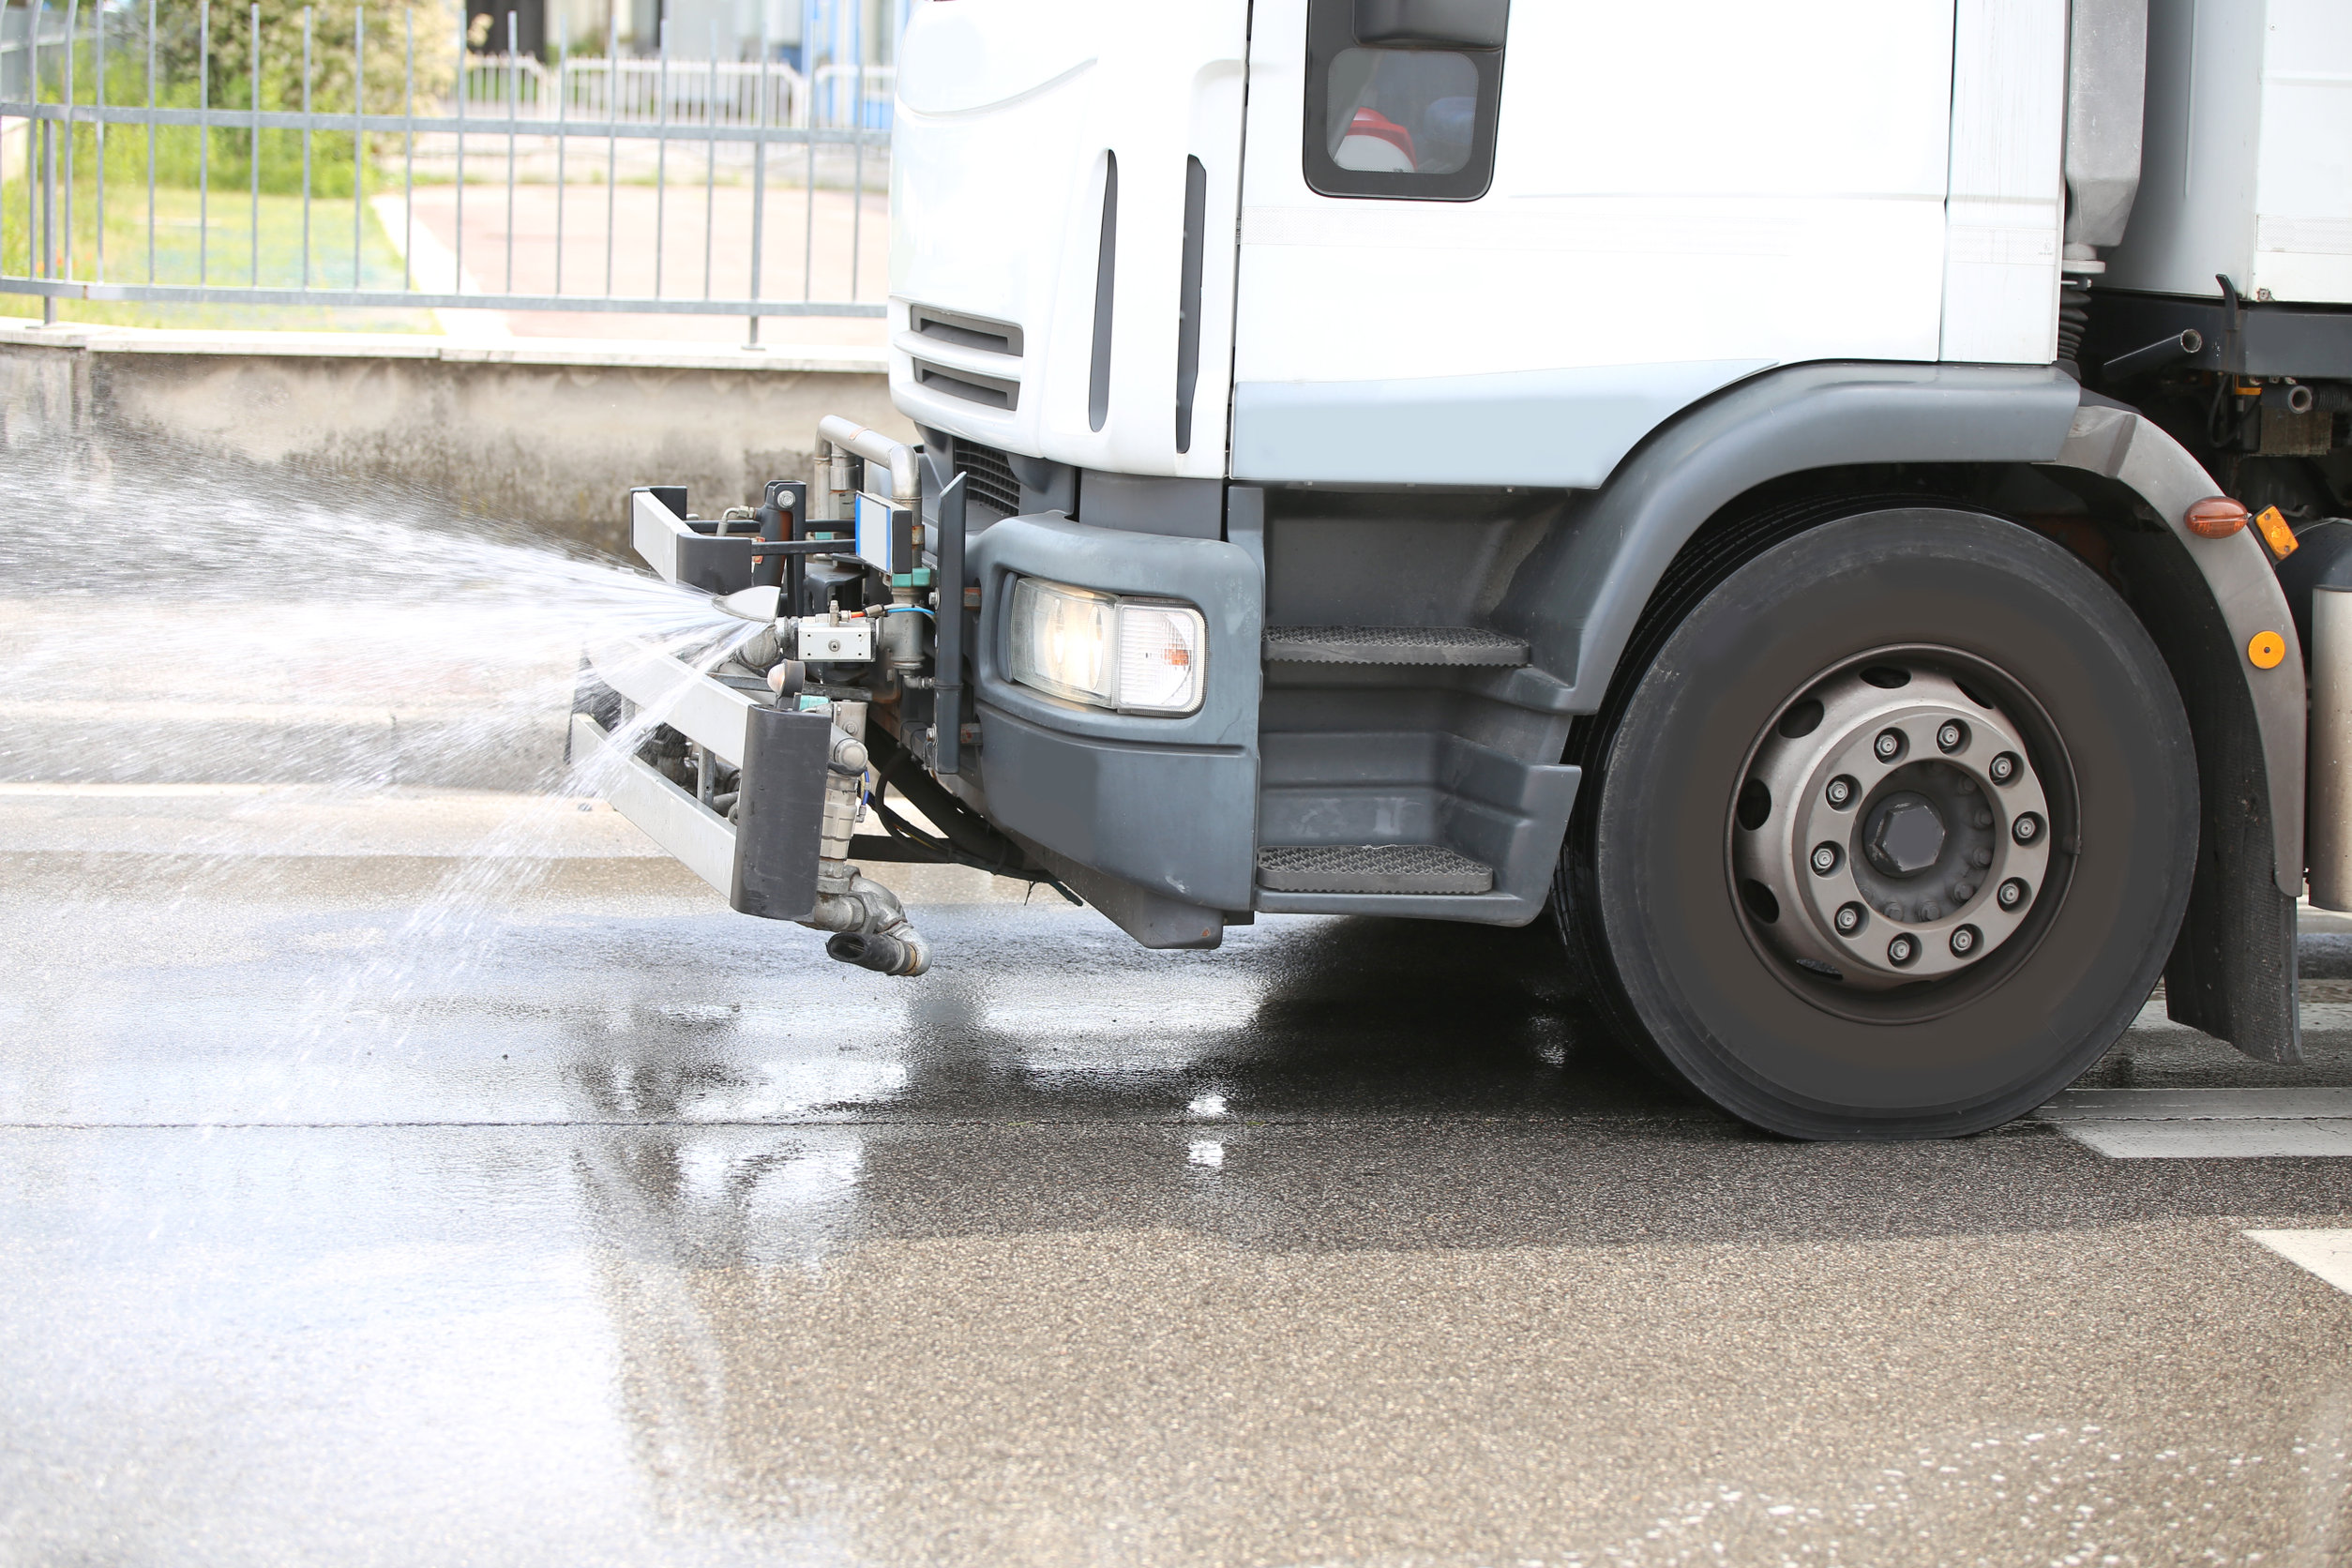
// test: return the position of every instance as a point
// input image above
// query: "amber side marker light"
(2216, 517)
(2265, 649)
(2275, 532)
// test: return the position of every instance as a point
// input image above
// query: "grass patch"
(216, 240)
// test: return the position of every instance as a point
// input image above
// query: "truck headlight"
(1135, 655)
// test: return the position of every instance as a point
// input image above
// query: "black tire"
(1676, 959)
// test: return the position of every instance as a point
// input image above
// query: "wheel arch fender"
(2232, 972)
(1578, 596)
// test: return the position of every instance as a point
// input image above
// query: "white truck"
(1836, 502)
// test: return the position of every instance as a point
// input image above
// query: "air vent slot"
(966, 332)
(1189, 298)
(988, 477)
(1106, 255)
(971, 385)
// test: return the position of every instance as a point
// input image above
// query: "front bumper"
(1168, 803)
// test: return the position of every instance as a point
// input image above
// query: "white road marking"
(2197, 1105)
(2205, 1123)
(2213, 1141)
(2325, 1252)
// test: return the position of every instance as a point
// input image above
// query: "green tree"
(206, 54)
(334, 26)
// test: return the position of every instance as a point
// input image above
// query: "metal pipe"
(457, 267)
(661, 158)
(254, 156)
(2328, 824)
(906, 484)
(73, 11)
(98, 16)
(514, 103)
(358, 137)
(203, 142)
(759, 174)
(612, 135)
(710, 163)
(848, 903)
(151, 141)
(563, 112)
(305, 147)
(408, 154)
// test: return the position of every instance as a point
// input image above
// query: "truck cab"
(1835, 505)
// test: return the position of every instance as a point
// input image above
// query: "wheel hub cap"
(1905, 835)
(1891, 829)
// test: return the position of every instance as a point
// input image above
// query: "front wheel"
(1891, 836)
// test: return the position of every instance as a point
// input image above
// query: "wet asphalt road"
(574, 1221)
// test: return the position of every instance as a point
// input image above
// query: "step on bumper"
(1377, 868)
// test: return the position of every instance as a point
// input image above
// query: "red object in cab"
(1371, 122)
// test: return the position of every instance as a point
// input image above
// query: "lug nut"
(1964, 941)
(2026, 829)
(1888, 745)
(1841, 792)
(1824, 859)
(2013, 894)
(2003, 768)
(1952, 735)
(1902, 950)
(1849, 919)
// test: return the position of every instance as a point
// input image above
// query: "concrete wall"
(550, 433)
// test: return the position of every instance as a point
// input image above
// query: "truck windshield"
(1401, 110)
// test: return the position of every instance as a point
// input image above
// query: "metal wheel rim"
(1960, 947)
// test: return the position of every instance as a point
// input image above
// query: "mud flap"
(2232, 971)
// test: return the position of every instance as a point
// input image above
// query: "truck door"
(1496, 241)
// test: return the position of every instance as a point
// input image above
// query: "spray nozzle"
(752, 604)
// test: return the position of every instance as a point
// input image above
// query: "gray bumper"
(1168, 805)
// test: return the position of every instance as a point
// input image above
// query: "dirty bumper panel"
(1174, 819)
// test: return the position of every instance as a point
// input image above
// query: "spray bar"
(707, 713)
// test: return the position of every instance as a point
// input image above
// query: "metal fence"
(578, 141)
(725, 92)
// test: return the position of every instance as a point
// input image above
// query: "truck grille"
(988, 478)
(970, 332)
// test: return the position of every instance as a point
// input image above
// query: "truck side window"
(1401, 96)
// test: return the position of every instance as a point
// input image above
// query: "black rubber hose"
(2073, 321)
(881, 953)
(958, 824)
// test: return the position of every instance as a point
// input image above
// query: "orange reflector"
(2275, 532)
(2266, 650)
(2216, 517)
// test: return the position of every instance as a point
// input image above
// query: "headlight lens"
(1140, 655)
